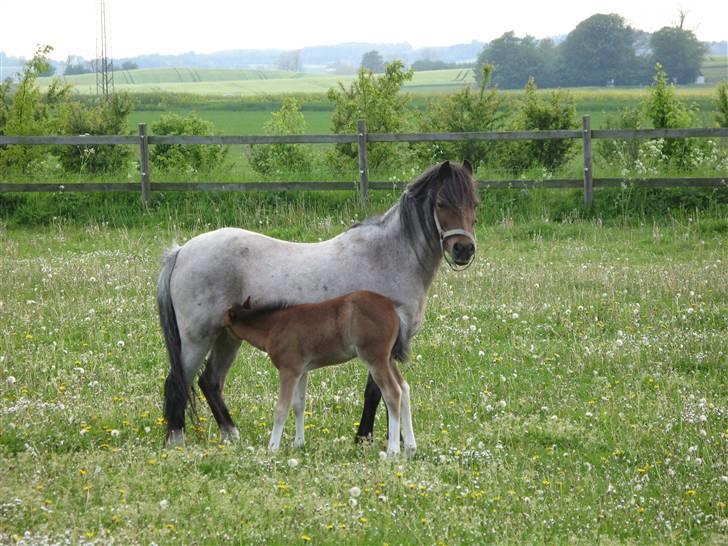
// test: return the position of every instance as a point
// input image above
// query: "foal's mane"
(240, 313)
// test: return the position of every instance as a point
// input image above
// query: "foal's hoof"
(362, 439)
(175, 438)
(409, 451)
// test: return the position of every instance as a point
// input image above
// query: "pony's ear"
(468, 167)
(246, 303)
(444, 171)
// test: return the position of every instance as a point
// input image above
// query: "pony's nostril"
(457, 248)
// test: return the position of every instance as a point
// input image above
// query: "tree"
(600, 50)
(129, 65)
(464, 111)
(76, 65)
(666, 111)
(376, 100)
(290, 61)
(515, 60)
(24, 110)
(679, 52)
(372, 61)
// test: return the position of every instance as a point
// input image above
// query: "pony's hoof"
(409, 451)
(363, 439)
(229, 435)
(175, 438)
(298, 444)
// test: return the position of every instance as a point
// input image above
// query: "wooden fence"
(143, 140)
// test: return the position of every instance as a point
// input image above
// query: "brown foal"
(304, 337)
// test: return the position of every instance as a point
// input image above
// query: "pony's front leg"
(372, 397)
(288, 381)
(299, 406)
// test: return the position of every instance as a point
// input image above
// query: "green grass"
(570, 387)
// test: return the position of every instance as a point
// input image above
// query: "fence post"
(144, 163)
(361, 127)
(588, 174)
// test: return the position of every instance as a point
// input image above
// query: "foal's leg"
(372, 397)
(288, 380)
(410, 445)
(299, 406)
(381, 372)
(212, 382)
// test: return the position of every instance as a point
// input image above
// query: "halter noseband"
(451, 233)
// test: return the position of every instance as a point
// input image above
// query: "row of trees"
(601, 50)
(25, 110)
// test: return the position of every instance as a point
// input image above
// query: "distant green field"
(249, 82)
(715, 69)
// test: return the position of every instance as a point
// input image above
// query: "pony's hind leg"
(299, 406)
(288, 379)
(212, 382)
(177, 391)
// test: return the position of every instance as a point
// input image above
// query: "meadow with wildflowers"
(571, 386)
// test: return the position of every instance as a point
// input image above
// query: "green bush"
(722, 105)
(555, 111)
(185, 158)
(271, 159)
(107, 118)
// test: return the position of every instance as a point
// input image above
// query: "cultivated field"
(250, 82)
(569, 387)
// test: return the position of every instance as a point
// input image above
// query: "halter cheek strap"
(451, 233)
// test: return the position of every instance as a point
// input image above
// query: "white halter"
(450, 233)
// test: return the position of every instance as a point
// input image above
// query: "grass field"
(249, 82)
(570, 387)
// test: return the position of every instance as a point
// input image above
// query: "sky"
(177, 26)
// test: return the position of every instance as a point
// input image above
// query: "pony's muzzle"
(462, 252)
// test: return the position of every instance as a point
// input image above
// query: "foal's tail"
(176, 390)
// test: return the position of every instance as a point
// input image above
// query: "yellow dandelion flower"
(306, 538)
(691, 492)
(363, 519)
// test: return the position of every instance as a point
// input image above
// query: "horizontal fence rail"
(361, 138)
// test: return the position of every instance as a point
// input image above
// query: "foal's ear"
(468, 167)
(444, 171)
(246, 303)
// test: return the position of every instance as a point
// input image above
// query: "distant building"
(700, 80)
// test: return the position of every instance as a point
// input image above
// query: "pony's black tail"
(401, 349)
(176, 390)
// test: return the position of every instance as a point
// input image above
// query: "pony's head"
(447, 198)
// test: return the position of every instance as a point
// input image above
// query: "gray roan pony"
(396, 254)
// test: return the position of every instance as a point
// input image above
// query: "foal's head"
(447, 197)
